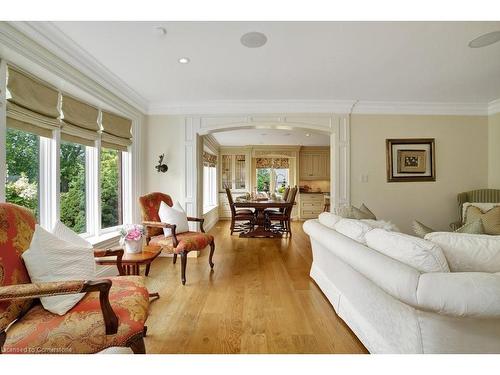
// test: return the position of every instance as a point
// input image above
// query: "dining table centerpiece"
(131, 237)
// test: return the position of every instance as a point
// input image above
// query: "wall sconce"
(161, 167)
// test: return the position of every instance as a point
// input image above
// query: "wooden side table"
(131, 263)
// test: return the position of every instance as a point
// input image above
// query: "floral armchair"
(112, 313)
(177, 243)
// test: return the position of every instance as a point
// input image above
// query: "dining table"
(260, 230)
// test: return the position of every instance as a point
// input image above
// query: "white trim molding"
(494, 107)
(211, 107)
(336, 126)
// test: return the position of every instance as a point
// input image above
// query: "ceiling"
(247, 137)
(367, 61)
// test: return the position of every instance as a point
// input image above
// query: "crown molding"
(318, 106)
(494, 107)
(50, 37)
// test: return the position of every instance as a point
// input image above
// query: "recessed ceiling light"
(263, 134)
(308, 134)
(184, 60)
(485, 40)
(159, 30)
(253, 39)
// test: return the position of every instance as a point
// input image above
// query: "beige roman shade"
(80, 121)
(209, 160)
(32, 104)
(116, 133)
(272, 163)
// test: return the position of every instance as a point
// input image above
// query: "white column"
(3, 128)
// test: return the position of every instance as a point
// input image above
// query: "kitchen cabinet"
(311, 205)
(234, 172)
(314, 163)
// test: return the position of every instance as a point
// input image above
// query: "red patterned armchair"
(112, 313)
(177, 243)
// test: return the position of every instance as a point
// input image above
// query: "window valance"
(209, 159)
(32, 105)
(272, 163)
(116, 131)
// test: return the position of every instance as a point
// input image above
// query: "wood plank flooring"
(258, 299)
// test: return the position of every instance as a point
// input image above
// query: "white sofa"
(393, 308)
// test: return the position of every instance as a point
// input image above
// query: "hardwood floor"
(258, 299)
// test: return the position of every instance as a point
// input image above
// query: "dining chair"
(238, 215)
(278, 210)
(112, 312)
(284, 217)
(177, 243)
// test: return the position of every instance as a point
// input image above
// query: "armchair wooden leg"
(175, 259)
(136, 343)
(183, 267)
(212, 250)
(3, 337)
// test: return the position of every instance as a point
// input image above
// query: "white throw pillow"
(50, 258)
(353, 228)
(328, 219)
(424, 256)
(381, 224)
(173, 215)
(62, 232)
(469, 252)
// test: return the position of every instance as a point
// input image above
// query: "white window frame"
(49, 178)
(209, 188)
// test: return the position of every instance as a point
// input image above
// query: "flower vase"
(133, 246)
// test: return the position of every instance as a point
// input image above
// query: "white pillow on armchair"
(173, 215)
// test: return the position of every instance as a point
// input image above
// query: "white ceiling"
(247, 137)
(369, 61)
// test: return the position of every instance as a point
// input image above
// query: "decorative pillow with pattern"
(475, 227)
(490, 218)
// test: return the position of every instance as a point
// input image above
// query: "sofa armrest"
(38, 290)
(460, 294)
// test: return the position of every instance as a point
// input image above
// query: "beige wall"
(461, 164)
(164, 134)
(494, 151)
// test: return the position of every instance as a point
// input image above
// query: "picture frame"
(411, 160)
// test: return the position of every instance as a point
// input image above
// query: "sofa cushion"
(352, 228)
(50, 258)
(82, 330)
(424, 256)
(469, 252)
(329, 219)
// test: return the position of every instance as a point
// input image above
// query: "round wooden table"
(131, 262)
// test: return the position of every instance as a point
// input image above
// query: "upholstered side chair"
(112, 313)
(178, 243)
(476, 196)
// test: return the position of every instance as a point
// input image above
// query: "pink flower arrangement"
(132, 232)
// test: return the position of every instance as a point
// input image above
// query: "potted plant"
(131, 238)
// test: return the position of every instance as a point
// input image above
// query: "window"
(209, 187)
(23, 166)
(281, 180)
(263, 179)
(111, 188)
(72, 188)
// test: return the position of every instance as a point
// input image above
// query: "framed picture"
(410, 159)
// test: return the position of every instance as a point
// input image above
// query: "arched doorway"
(336, 126)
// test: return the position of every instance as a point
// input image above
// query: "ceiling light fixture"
(184, 60)
(161, 31)
(485, 40)
(308, 135)
(253, 39)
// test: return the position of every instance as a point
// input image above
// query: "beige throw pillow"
(490, 219)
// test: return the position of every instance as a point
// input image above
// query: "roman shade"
(32, 105)
(209, 160)
(116, 132)
(272, 163)
(80, 121)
